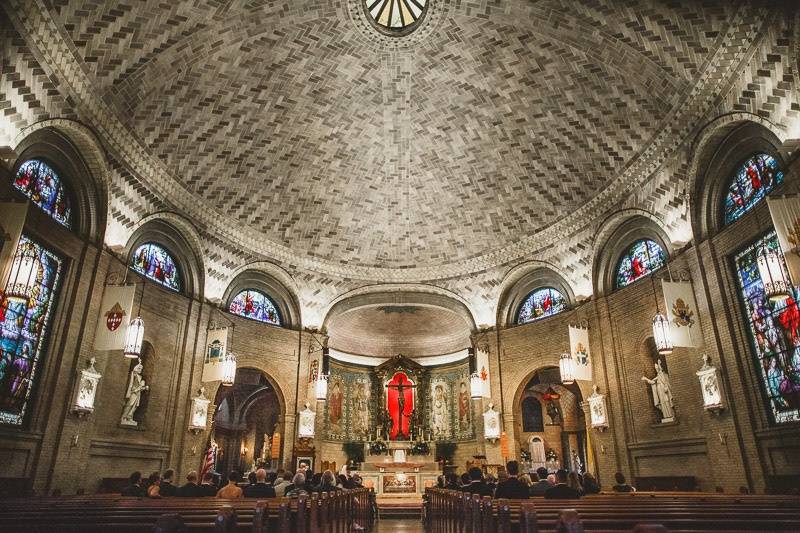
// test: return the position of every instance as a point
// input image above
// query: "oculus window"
(641, 259)
(541, 303)
(157, 264)
(398, 17)
(255, 305)
(42, 185)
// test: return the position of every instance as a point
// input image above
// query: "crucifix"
(400, 383)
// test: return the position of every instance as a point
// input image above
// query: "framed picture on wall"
(307, 460)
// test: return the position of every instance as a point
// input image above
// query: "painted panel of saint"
(440, 410)
(360, 410)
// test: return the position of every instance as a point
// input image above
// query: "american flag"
(210, 458)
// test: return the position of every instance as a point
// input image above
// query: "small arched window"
(255, 305)
(751, 183)
(541, 303)
(156, 263)
(641, 259)
(42, 185)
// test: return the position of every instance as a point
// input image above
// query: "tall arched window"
(642, 258)
(532, 418)
(774, 333)
(156, 263)
(39, 182)
(25, 307)
(540, 303)
(255, 305)
(751, 182)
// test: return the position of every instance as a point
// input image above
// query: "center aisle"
(399, 526)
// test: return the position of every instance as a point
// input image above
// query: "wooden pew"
(332, 513)
(454, 511)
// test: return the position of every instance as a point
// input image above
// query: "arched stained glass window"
(540, 303)
(774, 333)
(753, 180)
(26, 304)
(157, 263)
(642, 258)
(255, 305)
(39, 182)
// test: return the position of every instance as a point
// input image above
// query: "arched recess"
(181, 239)
(273, 281)
(718, 151)
(521, 280)
(617, 233)
(75, 154)
(233, 410)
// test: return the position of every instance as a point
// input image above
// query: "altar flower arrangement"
(551, 455)
(525, 455)
(378, 447)
(420, 448)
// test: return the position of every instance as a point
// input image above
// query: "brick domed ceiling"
(299, 130)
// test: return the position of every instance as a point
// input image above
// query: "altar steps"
(399, 508)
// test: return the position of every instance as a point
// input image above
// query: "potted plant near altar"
(354, 452)
(420, 448)
(378, 447)
(445, 452)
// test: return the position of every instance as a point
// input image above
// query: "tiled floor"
(398, 526)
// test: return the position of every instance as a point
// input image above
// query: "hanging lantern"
(661, 334)
(229, 369)
(321, 387)
(567, 366)
(133, 338)
(24, 273)
(770, 269)
(475, 386)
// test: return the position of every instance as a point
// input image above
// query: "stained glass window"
(541, 303)
(775, 334)
(750, 184)
(396, 14)
(642, 258)
(255, 305)
(157, 264)
(25, 307)
(39, 182)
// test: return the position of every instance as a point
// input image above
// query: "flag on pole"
(12, 219)
(684, 328)
(210, 458)
(216, 348)
(785, 213)
(115, 315)
(579, 348)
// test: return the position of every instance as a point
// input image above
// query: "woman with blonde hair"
(574, 482)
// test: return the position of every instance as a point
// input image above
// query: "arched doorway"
(550, 421)
(247, 417)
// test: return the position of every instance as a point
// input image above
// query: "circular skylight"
(396, 17)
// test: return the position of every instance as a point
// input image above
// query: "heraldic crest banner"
(115, 315)
(682, 314)
(216, 348)
(579, 347)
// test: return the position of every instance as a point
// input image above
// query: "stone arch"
(77, 155)
(273, 281)
(180, 237)
(616, 234)
(524, 278)
(716, 153)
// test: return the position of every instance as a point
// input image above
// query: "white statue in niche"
(662, 393)
(133, 396)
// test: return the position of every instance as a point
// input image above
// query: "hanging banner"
(785, 212)
(216, 348)
(482, 367)
(115, 315)
(682, 314)
(579, 347)
(12, 219)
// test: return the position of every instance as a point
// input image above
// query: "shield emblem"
(114, 317)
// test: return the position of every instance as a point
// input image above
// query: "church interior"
(400, 241)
